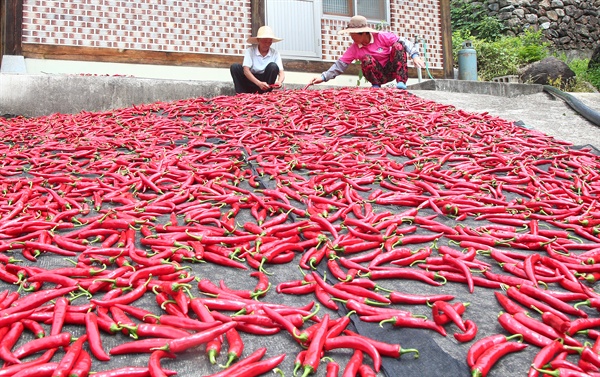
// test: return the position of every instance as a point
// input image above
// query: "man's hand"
(264, 86)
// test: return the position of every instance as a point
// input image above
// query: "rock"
(549, 71)
(595, 59)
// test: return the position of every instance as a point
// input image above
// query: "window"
(371, 9)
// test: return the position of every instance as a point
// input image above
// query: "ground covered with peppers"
(296, 232)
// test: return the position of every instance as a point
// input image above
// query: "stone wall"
(569, 25)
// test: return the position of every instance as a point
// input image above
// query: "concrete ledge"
(499, 89)
(43, 94)
(37, 95)
(13, 64)
(32, 95)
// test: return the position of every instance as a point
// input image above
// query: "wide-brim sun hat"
(264, 32)
(357, 24)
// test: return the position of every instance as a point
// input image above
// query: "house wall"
(218, 27)
(413, 20)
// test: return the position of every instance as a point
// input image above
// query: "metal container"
(467, 62)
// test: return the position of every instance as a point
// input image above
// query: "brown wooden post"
(11, 24)
(257, 13)
(448, 60)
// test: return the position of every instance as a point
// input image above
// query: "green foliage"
(584, 76)
(473, 19)
(593, 77)
(503, 56)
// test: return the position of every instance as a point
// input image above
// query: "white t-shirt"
(257, 62)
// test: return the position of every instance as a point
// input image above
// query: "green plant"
(503, 56)
(584, 76)
(473, 18)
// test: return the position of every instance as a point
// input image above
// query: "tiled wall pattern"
(195, 26)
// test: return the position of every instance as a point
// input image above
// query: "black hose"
(583, 110)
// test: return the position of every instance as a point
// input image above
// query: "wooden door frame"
(257, 14)
(11, 27)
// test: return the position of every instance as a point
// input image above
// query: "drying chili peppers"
(133, 204)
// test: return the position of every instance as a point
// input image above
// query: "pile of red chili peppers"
(107, 218)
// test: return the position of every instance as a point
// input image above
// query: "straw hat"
(264, 32)
(357, 24)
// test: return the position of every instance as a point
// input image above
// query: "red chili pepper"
(551, 300)
(178, 345)
(469, 334)
(558, 324)
(33, 326)
(310, 364)
(154, 330)
(355, 343)
(126, 298)
(258, 367)
(362, 292)
(154, 367)
(530, 302)
(128, 372)
(463, 268)
(41, 344)
(580, 324)
(10, 336)
(510, 324)
(544, 356)
(60, 308)
(443, 307)
(507, 304)
(147, 345)
(67, 362)
(82, 365)
(403, 273)
(236, 346)
(391, 255)
(413, 322)
(36, 299)
(544, 329)
(483, 344)
(10, 370)
(9, 319)
(353, 364)
(488, 358)
(94, 339)
(39, 370)
(386, 349)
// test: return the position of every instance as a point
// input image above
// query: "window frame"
(353, 6)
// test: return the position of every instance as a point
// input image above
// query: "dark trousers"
(243, 85)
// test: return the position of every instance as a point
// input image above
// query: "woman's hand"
(418, 61)
(316, 80)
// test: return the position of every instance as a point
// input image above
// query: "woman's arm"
(335, 70)
(412, 51)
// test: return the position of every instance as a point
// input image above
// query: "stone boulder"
(595, 59)
(549, 71)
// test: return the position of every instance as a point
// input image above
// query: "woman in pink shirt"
(382, 55)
